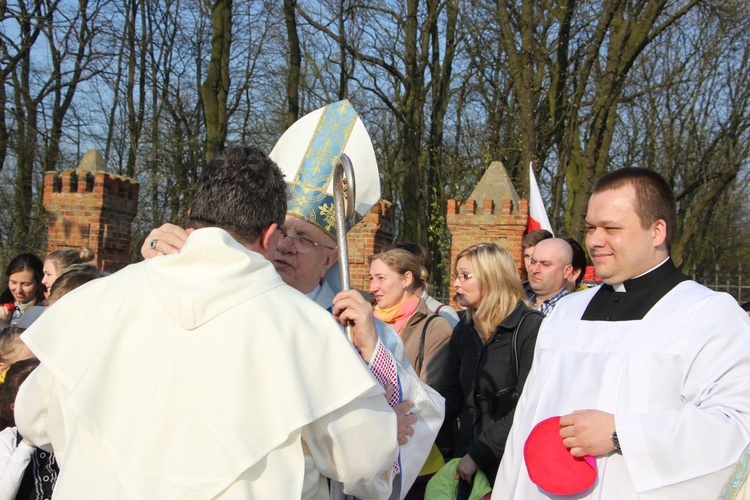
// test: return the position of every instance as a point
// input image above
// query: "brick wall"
(469, 224)
(94, 209)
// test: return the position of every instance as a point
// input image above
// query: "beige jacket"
(437, 335)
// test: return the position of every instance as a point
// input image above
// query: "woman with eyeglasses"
(394, 275)
(486, 369)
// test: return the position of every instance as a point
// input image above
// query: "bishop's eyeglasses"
(301, 243)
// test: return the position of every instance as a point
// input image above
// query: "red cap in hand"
(550, 464)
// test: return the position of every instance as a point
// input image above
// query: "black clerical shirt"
(640, 295)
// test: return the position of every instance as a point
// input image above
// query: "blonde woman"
(394, 276)
(482, 383)
(58, 261)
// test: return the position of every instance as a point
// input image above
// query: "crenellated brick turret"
(500, 219)
(92, 207)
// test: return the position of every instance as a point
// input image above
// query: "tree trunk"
(215, 88)
(295, 63)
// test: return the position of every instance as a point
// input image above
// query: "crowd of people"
(27, 471)
(219, 367)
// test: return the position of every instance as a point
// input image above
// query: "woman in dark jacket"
(481, 384)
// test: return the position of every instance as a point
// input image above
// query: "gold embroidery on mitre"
(328, 214)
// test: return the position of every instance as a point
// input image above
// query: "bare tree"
(295, 62)
(69, 31)
(568, 65)
(395, 51)
(688, 117)
(13, 50)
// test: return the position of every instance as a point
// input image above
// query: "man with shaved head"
(550, 267)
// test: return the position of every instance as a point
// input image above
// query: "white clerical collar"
(620, 287)
(313, 294)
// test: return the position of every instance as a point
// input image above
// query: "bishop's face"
(303, 268)
(619, 246)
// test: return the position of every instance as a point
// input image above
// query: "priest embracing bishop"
(646, 376)
(202, 374)
(306, 259)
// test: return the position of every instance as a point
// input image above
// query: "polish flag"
(537, 214)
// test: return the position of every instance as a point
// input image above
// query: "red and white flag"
(537, 214)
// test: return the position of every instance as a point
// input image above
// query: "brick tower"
(501, 219)
(88, 206)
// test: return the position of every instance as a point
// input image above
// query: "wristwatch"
(615, 441)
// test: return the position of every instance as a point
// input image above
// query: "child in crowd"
(26, 472)
(12, 348)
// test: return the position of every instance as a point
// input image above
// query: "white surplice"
(677, 382)
(429, 406)
(202, 375)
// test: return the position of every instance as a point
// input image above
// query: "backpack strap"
(515, 362)
(420, 356)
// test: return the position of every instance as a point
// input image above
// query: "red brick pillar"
(368, 237)
(94, 209)
(502, 225)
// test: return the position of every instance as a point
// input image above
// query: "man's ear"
(331, 258)
(268, 241)
(659, 233)
(568, 271)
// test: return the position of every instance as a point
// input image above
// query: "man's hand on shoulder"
(587, 432)
(164, 240)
